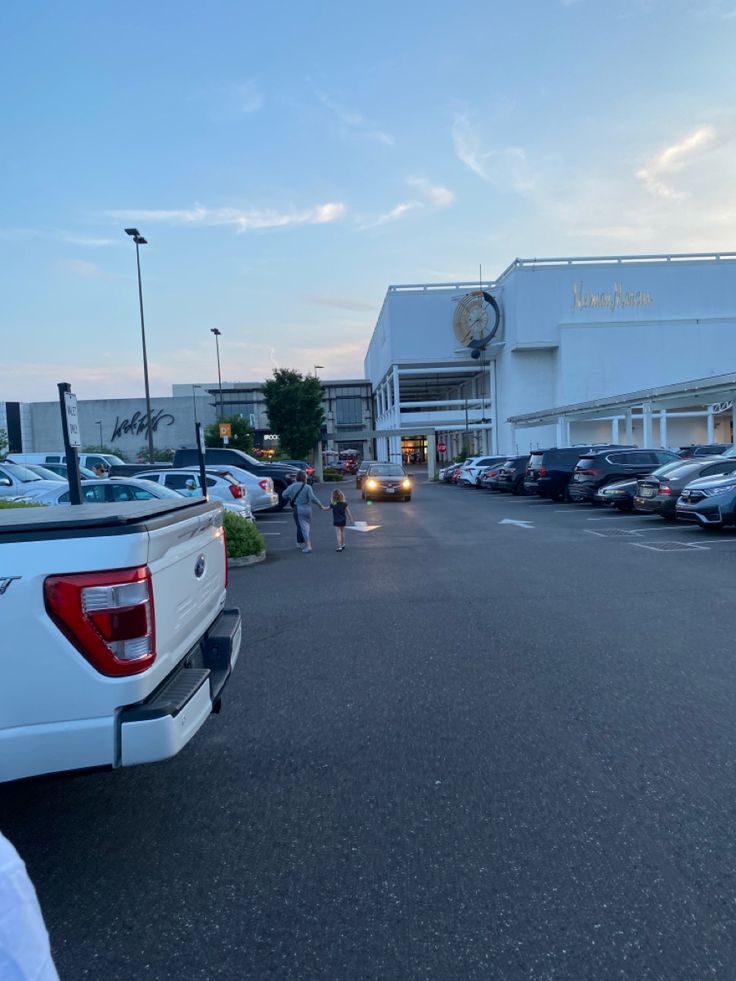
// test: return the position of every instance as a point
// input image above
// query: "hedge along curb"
(246, 560)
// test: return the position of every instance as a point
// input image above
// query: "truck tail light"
(107, 616)
(588, 472)
(236, 490)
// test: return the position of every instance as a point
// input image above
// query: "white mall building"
(620, 349)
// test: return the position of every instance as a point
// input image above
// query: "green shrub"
(20, 504)
(330, 474)
(243, 538)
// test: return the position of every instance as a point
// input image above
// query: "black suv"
(548, 472)
(281, 474)
(593, 470)
(511, 474)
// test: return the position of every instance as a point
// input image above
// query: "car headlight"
(371, 483)
(406, 484)
(715, 491)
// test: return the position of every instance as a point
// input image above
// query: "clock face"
(476, 319)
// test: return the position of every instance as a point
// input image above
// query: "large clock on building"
(476, 319)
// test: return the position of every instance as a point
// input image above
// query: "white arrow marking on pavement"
(521, 524)
(362, 526)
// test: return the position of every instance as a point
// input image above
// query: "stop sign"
(442, 447)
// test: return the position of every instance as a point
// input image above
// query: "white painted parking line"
(670, 546)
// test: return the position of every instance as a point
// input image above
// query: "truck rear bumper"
(165, 722)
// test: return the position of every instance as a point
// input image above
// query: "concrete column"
(646, 418)
(514, 445)
(629, 421)
(663, 428)
(711, 429)
(397, 396)
(561, 431)
(318, 468)
(431, 454)
(733, 418)
(614, 431)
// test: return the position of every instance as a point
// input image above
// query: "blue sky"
(288, 162)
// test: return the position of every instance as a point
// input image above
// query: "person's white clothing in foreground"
(25, 954)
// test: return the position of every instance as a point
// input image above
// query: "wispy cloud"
(434, 193)
(229, 101)
(242, 220)
(504, 166)
(354, 121)
(434, 196)
(657, 171)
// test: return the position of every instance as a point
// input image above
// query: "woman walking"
(301, 497)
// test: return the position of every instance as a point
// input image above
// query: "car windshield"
(23, 474)
(112, 460)
(386, 470)
(160, 491)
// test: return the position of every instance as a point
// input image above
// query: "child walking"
(340, 517)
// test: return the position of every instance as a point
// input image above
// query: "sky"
(288, 162)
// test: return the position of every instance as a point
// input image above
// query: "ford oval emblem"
(200, 567)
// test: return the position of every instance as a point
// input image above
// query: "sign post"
(226, 432)
(200, 457)
(441, 447)
(72, 440)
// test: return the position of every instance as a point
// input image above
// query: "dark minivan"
(593, 470)
(548, 472)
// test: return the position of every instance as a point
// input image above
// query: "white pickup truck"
(115, 643)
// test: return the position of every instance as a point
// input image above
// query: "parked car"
(658, 493)
(281, 474)
(549, 472)
(594, 470)
(110, 490)
(386, 480)
(301, 465)
(221, 486)
(489, 477)
(362, 471)
(261, 494)
(59, 469)
(619, 494)
(471, 468)
(17, 480)
(511, 474)
(89, 460)
(711, 501)
(702, 449)
(42, 472)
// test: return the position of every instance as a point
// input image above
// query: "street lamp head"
(136, 236)
(215, 331)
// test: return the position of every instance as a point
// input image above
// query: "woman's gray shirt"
(307, 495)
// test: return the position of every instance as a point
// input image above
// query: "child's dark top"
(338, 513)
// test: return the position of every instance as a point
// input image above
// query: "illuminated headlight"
(406, 484)
(371, 483)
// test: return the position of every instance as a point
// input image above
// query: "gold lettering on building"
(617, 299)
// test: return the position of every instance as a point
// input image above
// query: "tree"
(3, 442)
(294, 406)
(241, 439)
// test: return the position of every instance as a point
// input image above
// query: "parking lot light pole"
(218, 334)
(99, 423)
(139, 240)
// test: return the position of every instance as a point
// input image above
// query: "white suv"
(474, 465)
(220, 487)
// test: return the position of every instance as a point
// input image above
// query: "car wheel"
(408, 498)
(363, 495)
(518, 488)
(624, 507)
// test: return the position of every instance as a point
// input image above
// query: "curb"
(246, 560)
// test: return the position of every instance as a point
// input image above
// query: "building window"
(349, 411)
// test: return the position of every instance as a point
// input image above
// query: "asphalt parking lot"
(494, 738)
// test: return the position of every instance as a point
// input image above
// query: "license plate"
(647, 492)
(390, 490)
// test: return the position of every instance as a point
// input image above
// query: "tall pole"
(217, 334)
(99, 423)
(139, 240)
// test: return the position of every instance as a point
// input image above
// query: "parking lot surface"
(494, 738)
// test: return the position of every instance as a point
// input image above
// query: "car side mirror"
(6, 482)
